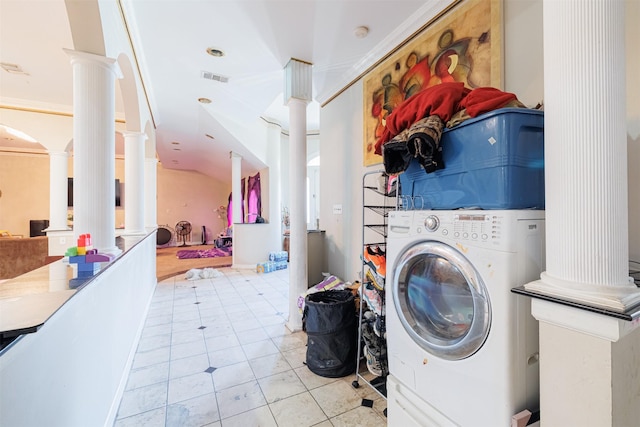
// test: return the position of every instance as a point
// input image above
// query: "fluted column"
(150, 193)
(94, 148)
(236, 188)
(586, 155)
(588, 358)
(58, 165)
(297, 95)
(134, 170)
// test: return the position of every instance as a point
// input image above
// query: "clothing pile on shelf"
(414, 128)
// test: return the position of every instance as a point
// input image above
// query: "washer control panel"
(480, 227)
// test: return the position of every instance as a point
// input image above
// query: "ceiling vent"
(13, 68)
(215, 77)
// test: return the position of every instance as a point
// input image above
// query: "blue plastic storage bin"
(494, 161)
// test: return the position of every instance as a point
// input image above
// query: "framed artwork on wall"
(463, 44)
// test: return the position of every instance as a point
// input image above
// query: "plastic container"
(494, 161)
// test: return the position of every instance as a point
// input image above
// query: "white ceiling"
(170, 38)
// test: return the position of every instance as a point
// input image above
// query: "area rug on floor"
(203, 253)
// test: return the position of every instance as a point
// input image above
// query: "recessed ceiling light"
(215, 52)
(361, 31)
(177, 149)
(204, 100)
(209, 136)
(175, 143)
(174, 161)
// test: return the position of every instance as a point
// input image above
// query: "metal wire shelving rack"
(374, 223)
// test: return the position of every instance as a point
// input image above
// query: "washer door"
(441, 300)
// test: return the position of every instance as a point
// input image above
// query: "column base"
(617, 298)
(597, 324)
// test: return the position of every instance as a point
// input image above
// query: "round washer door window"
(441, 300)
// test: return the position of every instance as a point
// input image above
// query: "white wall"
(194, 197)
(341, 177)
(342, 133)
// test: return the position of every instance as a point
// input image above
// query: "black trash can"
(332, 333)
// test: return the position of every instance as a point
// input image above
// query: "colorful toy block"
(87, 260)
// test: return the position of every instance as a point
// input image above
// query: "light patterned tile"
(336, 398)
(360, 416)
(380, 406)
(152, 357)
(189, 335)
(194, 348)
(153, 342)
(186, 325)
(143, 399)
(246, 324)
(296, 357)
(253, 335)
(280, 386)
(259, 349)
(148, 375)
(153, 418)
(161, 319)
(184, 388)
(228, 356)
(311, 380)
(261, 417)
(196, 412)
(300, 410)
(290, 342)
(269, 365)
(150, 331)
(235, 400)
(232, 375)
(188, 365)
(222, 341)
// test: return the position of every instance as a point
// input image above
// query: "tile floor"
(216, 352)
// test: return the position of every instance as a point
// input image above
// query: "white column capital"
(79, 57)
(133, 135)
(297, 81)
(234, 155)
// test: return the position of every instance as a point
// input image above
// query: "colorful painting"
(463, 45)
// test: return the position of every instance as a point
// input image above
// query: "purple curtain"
(254, 199)
(242, 192)
(230, 212)
(230, 206)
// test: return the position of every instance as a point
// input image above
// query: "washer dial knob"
(432, 223)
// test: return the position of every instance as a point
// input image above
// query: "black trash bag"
(332, 333)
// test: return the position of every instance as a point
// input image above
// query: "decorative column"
(236, 188)
(94, 148)
(58, 190)
(150, 193)
(297, 95)
(588, 352)
(134, 182)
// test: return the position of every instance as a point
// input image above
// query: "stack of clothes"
(414, 128)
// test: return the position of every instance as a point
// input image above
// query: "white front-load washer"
(462, 348)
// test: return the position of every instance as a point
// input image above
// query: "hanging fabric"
(254, 200)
